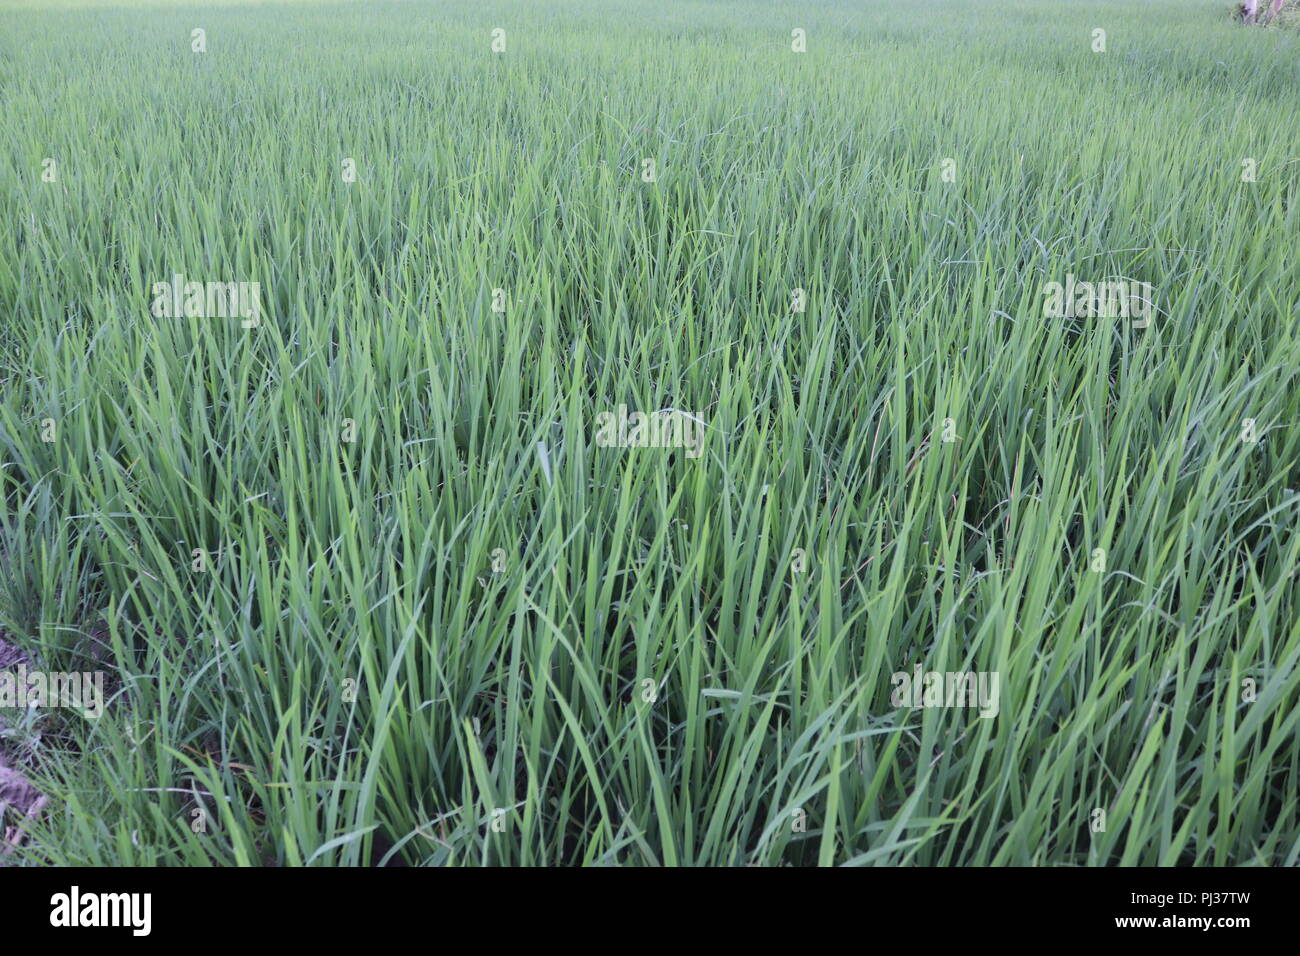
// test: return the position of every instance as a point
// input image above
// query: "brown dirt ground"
(18, 798)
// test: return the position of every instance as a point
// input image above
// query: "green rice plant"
(368, 589)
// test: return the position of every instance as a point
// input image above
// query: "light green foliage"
(523, 688)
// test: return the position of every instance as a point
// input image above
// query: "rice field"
(693, 433)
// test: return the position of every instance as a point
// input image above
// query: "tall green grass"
(646, 677)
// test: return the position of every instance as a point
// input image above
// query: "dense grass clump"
(368, 589)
